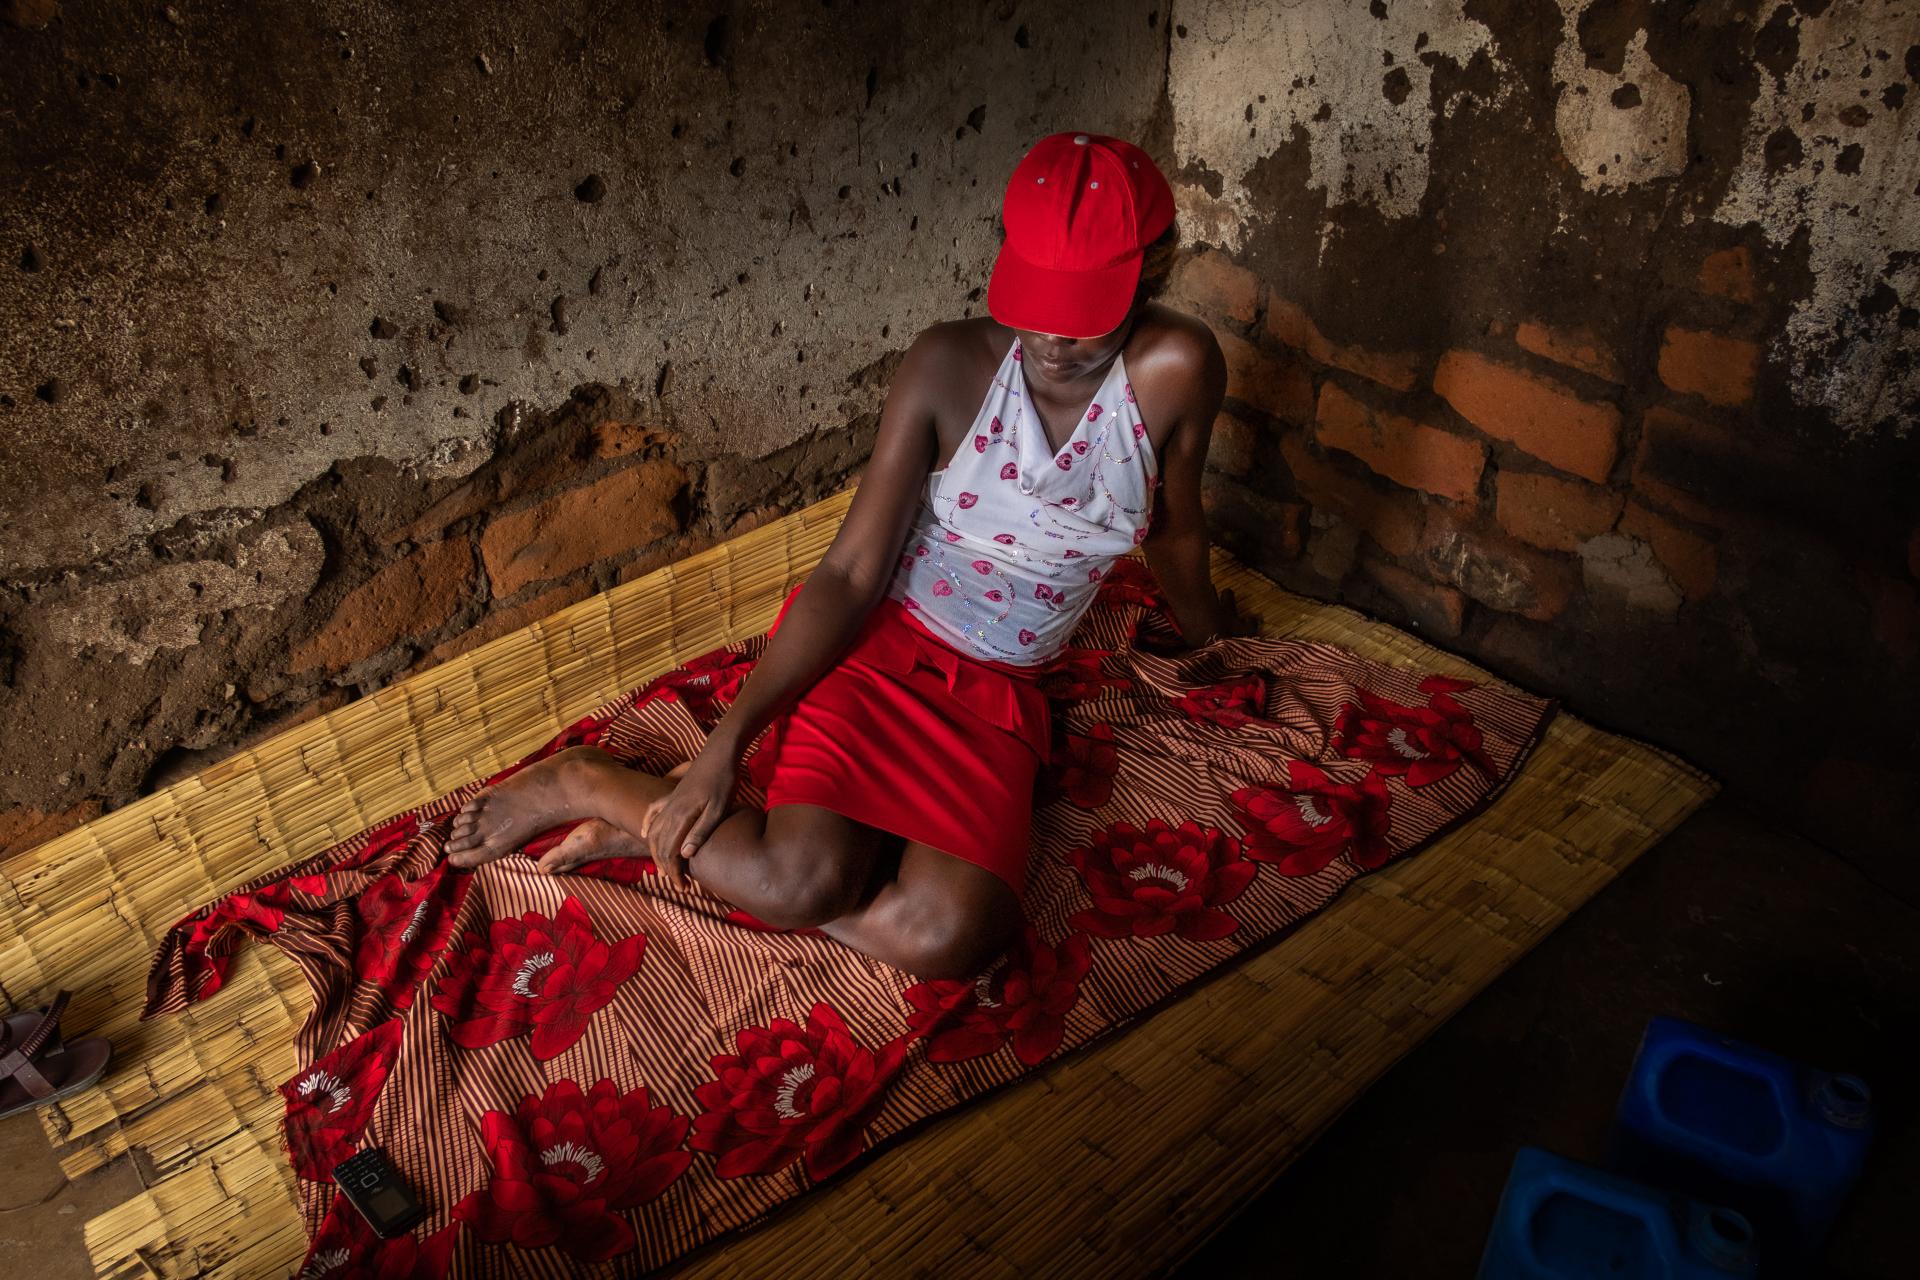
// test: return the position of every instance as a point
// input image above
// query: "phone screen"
(387, 1202)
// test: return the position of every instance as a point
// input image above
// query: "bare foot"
(498, 819)
(591, 841)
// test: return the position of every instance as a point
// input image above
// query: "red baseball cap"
(1079, 210)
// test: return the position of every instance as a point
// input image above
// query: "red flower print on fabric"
(404, 926)
(1160, 880)
(567, 1163)
(329, 1104)
(547, 976)
(1082, 768)
(791, 1091)
(1312, 820)
(345, 1248)
(382, 842)
(1129, 583)
(1230, 703)
(1076, 675)
(713, 677)
(1425, 744)
(1021, 999)
(257, 911)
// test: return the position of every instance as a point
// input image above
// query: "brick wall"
(1612, 527)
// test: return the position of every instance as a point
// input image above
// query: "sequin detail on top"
(1012, 537)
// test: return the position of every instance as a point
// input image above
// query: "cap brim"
(1071, 304)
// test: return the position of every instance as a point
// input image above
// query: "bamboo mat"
(1220, 1087)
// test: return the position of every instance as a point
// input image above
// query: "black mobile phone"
(369, 1180)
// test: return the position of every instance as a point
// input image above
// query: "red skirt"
(910, 735)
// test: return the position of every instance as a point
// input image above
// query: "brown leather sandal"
(37, 1066)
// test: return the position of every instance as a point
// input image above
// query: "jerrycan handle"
(1606, 1192)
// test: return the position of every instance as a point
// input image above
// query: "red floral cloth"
(597, 1068)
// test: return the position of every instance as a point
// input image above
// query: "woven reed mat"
(1220, 1087)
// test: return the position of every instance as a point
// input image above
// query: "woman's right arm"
(831, 607)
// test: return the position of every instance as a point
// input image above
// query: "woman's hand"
(678, 823)
(1239, 624)
(1236, 624)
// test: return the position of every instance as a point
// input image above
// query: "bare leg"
(938, 917)
(794, 866)
(580, 782)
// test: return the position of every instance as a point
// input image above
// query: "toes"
(574, 848)
(464, 836)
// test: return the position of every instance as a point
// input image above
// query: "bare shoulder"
(944, 358)
(1176, 366)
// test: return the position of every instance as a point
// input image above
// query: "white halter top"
(1012, 538)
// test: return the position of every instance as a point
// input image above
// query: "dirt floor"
(1760, 935)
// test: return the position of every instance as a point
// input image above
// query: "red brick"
(1332, 547)
(409, 597)
(1502, 573)
(1664, 432)
(1712, 366)
(1729, 274)
(1576, 348)
(618, 439)
(25, 828)
(576, 527)
(1403, 450)
(680, 548)
(1436, 609)
(1550, 512)
(1393, 521)
(476, 493)
(1537, 414)
(486, 490)
(1288, 324)
(504, 619)
(1687, 557)
(1275, 384)
(1230, 448)
(647, 562)
(1217, 285)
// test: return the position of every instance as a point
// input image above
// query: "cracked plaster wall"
(283, 279)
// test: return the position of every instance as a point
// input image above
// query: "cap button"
(1080, 139)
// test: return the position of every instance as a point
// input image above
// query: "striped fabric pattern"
(595, 1073)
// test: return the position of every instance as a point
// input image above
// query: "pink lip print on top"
(1025, 531)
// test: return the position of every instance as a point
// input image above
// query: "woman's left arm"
(1176, 545)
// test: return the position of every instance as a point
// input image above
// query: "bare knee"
(808, 883)
(955, 946)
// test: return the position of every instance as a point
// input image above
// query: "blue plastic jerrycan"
(1562, 1220)
(1727, 1122)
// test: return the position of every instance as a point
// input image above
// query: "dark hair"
(1156, 262)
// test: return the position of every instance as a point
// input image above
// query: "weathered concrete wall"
(1586, 339)
(341, 337)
